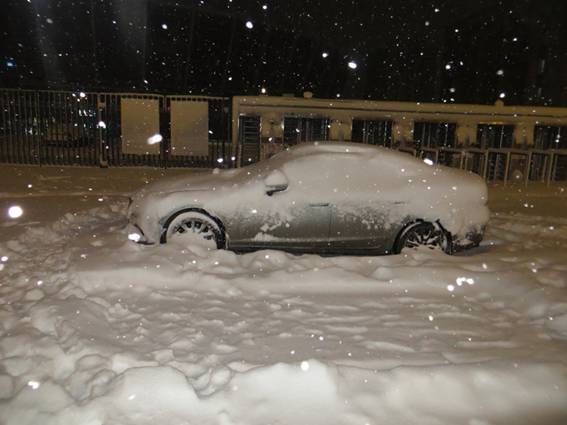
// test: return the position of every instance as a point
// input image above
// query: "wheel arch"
(177, 213)
(396, 248)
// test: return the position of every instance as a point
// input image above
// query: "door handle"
(319, 204)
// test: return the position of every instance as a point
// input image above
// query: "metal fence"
(493, 164)
(505, 165)
(48, 128)
(85, 128)
(89, 128)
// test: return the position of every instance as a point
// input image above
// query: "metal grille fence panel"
(84, 128)
(372, 132)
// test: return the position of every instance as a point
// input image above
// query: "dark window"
(372, 132)
(550, 137)
(434, 134)
(494, 136)
(299, 129)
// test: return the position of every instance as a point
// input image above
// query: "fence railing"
(107, 129)
(87, 128)
(506, 165)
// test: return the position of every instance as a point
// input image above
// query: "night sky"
(412, 50)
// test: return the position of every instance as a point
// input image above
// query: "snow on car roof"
(335, 147)
(367, 152)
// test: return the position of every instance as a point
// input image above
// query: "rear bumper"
(471, 240)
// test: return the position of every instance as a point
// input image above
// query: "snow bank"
(312, 392)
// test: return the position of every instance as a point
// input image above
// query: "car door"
(305, 225)
(296, 216)
(363, 213)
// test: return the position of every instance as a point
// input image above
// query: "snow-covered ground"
(97, 330)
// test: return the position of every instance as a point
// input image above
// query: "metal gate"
(49, 128)
(107, 129)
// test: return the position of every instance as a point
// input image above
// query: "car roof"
(334, 147)
(337, 150)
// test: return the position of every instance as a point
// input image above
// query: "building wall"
(272, 111)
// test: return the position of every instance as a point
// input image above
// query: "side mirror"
(275, 182)
(270, 190)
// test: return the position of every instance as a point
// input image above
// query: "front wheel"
(425, 234)
(195, 228)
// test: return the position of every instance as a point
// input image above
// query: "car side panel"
(302, 225)
(370, 225)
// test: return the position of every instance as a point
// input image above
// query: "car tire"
(193, 225)
(423, 233)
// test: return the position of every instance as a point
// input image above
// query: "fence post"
(506, 167)
(485, 167)
(165, 130)
(100, 117)
(528, 168)
(551, 171)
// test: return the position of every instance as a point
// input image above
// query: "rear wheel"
(425, 234)
(195, 228)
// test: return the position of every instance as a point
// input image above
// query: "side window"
(358, 176)
(307, 173)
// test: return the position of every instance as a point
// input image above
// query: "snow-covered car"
(319, 197)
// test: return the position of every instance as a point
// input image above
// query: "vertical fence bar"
(47, 128)
(3, 132)
(19, 147)
(35, 127)
(68, 135)
(22, 141)
(56, 125)
(5, 128)
(40, 129)
(23, 123)
(99, 135)
(528, 168)
(16, 131)
(74, 119)
(552, 166)
(6, 132)
(12, 144)
(506, 167)
(28, 126)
